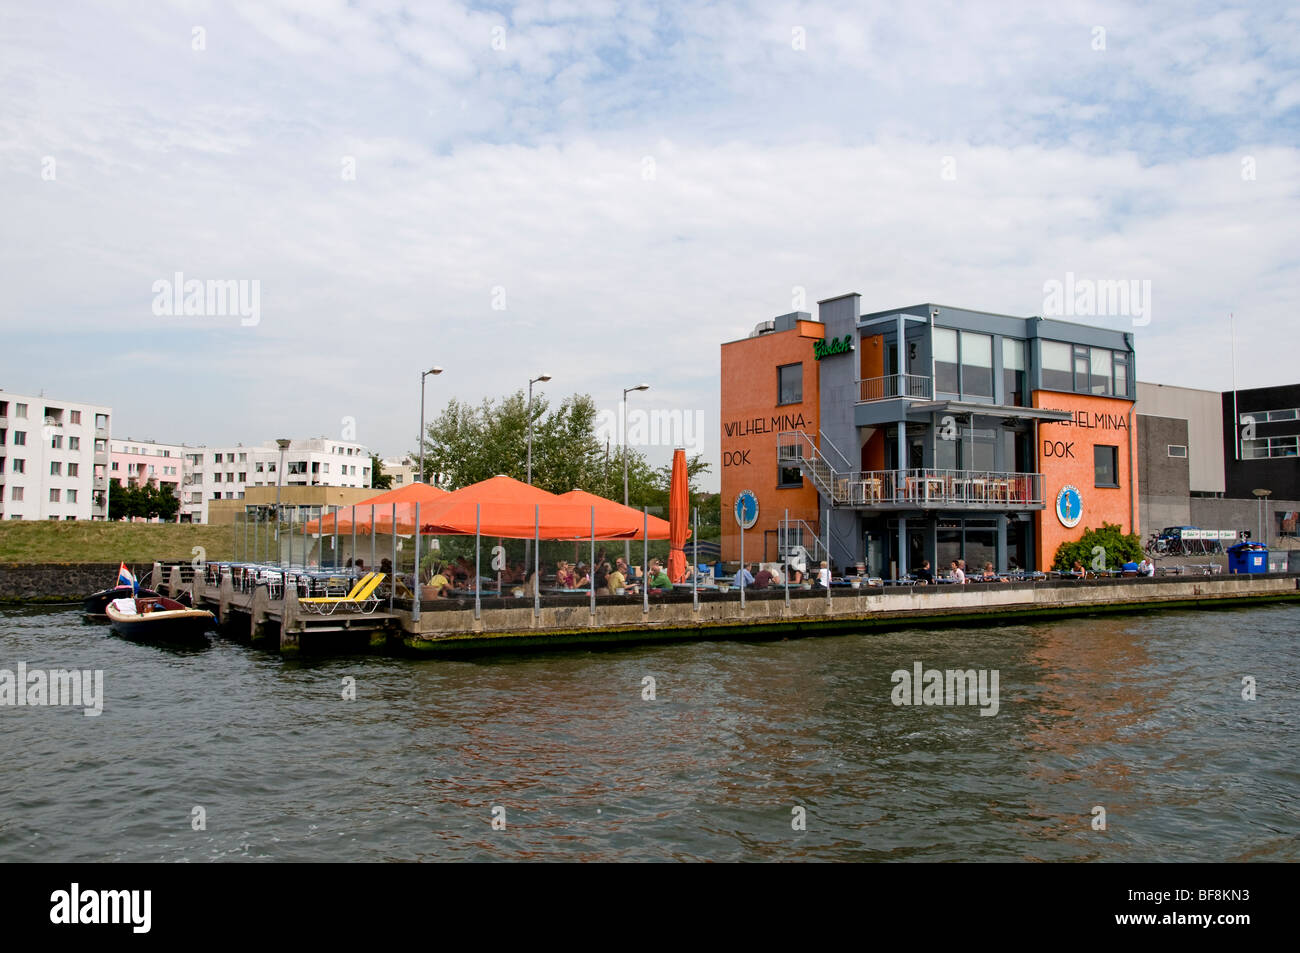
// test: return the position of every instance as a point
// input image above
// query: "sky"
(606, 192)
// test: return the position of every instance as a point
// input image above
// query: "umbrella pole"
(695, 555)
(784, 541)
(537, 561)
(372, 537)
(478, 523)
(740, 576)
(415, 606)
(591, 567)
(353, 554)
(645, 560)
(392, 569)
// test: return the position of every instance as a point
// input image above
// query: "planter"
(856, 583)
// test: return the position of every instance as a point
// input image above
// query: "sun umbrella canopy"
(340, 520)
(678, 518)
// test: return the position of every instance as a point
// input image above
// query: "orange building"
(925, 433)
(770, 385)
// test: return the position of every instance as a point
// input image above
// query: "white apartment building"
(54, 458)
(223, 473)
(401, 469)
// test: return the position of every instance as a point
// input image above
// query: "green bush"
(1117, 548)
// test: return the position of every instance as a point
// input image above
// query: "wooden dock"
(453, 626)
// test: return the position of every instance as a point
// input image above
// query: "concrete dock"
(450, 626)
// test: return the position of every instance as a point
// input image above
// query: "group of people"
(768, 576)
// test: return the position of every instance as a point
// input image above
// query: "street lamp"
(1262, 496)
(283, 444)
(423, 375)
(627, 545)
(542, 378)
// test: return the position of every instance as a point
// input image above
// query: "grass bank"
(34, 541)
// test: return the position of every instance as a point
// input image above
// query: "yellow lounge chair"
(320, 604)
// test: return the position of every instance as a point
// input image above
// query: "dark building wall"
(836, 419)
(1281, 475)
(1165, 481)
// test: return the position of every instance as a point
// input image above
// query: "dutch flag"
(126, 578)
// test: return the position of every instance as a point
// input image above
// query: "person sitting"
(438, 586)
(956, 573)
(795, 572)
(764, 579)
(824, 575)
(614, 580)
(579, 577)
(991, 575)
(743, 577)
(1078, 571)
(924, 575)
(657, 578)
(1146, 567)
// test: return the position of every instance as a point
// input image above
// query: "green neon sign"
(832, 347)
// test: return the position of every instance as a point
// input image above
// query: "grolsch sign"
(832, 347)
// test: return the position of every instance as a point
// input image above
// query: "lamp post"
(627, 545)
(283, 444)
(423, 375)
(1262, 496)
(542, 378)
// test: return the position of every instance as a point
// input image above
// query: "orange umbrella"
(616, 521)
(383, 503)
(678, 518)
(508, 508)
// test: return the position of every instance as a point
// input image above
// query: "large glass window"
(1100, 380)
(788, 475)
(946, 370)
(1080, 369)
(1106, 466)
(982, 449)
(789, 384)
(976, 365)
(1121, 375)
(1056, 366)
(1013, 372)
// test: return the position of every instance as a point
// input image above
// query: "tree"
(1105, 548)
(379, 480)
(118, 499)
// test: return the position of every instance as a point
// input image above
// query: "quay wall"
(766, 614)
(58, 582)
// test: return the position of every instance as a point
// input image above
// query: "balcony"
(923, 489)
(894, 386)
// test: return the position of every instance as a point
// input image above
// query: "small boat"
(97, 604)
(159, 619)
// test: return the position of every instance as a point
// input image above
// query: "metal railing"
(894, 385)
(926, 488)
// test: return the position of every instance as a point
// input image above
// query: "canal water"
(742, 744)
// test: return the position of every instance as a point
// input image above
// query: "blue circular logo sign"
(746, 509)
(1069, 506)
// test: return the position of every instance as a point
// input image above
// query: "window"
(216, 496)
(101, 421)
(115, 465)
(1013, 372)
(20, 411)
(947, 373)
(216, 458)
(789, 379)
(56, 468)
(101, 446)
(74, 416)
(976, 365)
(1056, 366)
(56, 442)
(74, 443)
(1100, 380)
(74, 469)
(216, 478)
(4, 408)
(54, 495)
(20, 438)
(1177, 450)
(243, 477)
(2, 437)
(20, 466)
(1265, 447)
(16, 494)
(1121, 374)
(1270, 416)
(72, 496)
(787, 476)
(1080, 369)
(1105, 466)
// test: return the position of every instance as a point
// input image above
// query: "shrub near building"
(1117, 548)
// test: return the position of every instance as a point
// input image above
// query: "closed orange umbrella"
(679, 516)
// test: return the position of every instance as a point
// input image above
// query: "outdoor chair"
(325, 605)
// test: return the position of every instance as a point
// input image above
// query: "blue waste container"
(1248, 558)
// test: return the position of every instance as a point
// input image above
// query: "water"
(1142, 716)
